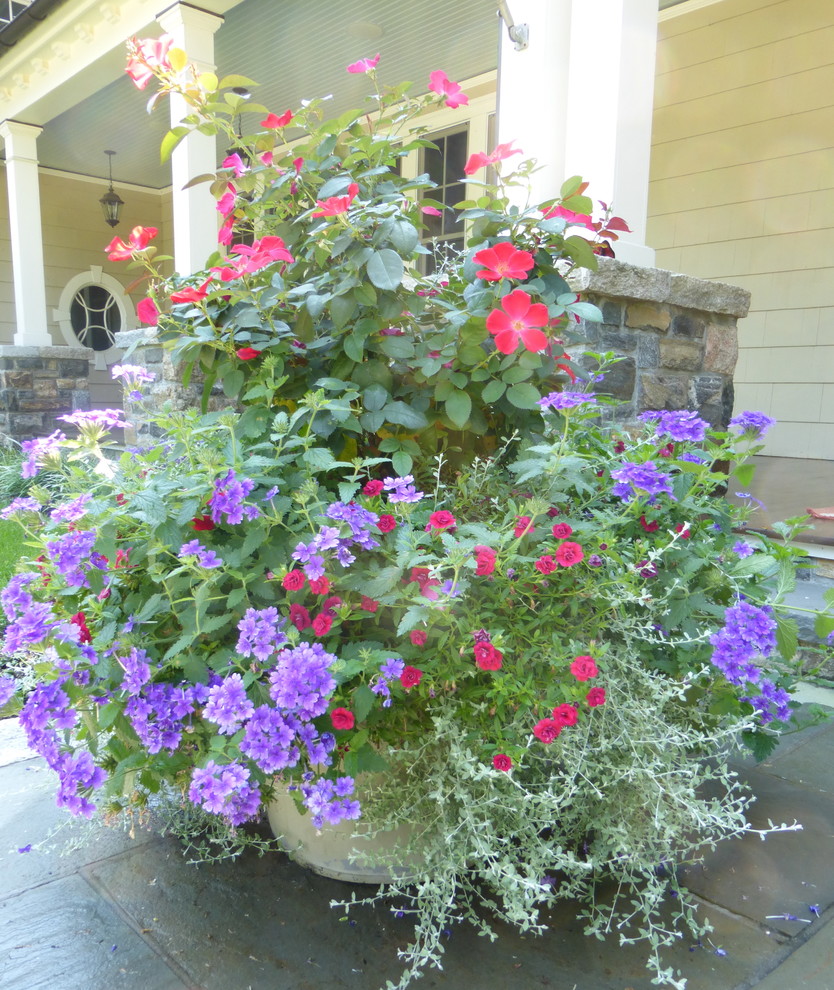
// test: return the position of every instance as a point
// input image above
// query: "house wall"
(74, 238)
(742, 190)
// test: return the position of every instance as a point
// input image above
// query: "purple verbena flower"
(226, 791)
(635, 479)
(756, 424)
(39, 450)
(682, 425)
(566, 400)
(22, 504)
(743, 549)
(301, 682)
(227, 497)
(401, 489)
(71, 511)
(260, 633)
(228, 704)
(97, 419)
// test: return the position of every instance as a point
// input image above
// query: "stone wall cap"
(622, 280)
(125, 338)
(51, 351)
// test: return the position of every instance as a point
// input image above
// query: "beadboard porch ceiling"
(296, 49)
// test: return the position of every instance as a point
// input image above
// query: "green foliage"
(520, 646)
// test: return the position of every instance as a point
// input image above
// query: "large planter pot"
(345, 851)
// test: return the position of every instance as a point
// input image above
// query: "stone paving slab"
(782, 874)
(62, 936)
(13, 746)
(29, 817)
(265, 922)
(811, 967)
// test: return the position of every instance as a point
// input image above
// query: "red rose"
(410, 677)
(487, 657)
(294, 580)
(484, 560)
(583, 668)
(547, 730)
(342, 718)
(329, 605)
(202, 523)
(649, 527)
(502, 762)
(320, 586)
(565, 714)
(369, 604)
(562, 530)
(568, 554)
(545, 564)
(595, 697)
(322, 624)
(441, 520)
(683, 529)
(300, 617)
(372, 488)
(523, 524)
(247, 353)
(386, 524)
(121, 500)
(418, 637)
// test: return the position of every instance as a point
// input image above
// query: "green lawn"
(11, 548)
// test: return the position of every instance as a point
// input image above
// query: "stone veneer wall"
(677, 335)
(37, 384)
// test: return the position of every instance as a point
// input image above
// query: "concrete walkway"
(122, 912)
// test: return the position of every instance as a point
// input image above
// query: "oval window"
(95, 317)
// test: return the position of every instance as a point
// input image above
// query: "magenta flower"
(364, 65)
(440, 83)
(520, 319)
(479, 159)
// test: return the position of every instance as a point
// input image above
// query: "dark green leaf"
(385, 269)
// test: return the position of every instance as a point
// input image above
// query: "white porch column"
(195, 210)
(26, 234)
(599, 109)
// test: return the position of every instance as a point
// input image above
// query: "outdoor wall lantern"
(111, 203)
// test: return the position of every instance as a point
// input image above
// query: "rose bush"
(410, 546)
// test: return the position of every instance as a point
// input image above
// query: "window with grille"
(9, 9)
(95, 317)
(444, 165)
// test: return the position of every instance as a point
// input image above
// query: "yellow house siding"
(742, 190)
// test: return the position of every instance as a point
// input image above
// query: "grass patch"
(11, 548)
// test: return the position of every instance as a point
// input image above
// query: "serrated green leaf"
(787, 637)
(363, 702)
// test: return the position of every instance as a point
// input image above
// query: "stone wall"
(37, 384)
(677, 336)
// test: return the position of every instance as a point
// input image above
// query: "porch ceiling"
(296, 49)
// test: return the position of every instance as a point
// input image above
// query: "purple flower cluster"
(329, 801)
(269, 739)
(228, 497)
(635, 479)
(22, 504)
(38, 450)
(133, 376)
(682, 425)
(107, 419)
(69, 552)
(743, 549)
(226, 791)
(750, 632)
(8, 687)
(301, 682)
(401, 489)
(389, 671)
(228, 705)
(71, 511)
(157, 714)
(137, 670)
(205, 558)
(77, 773)
(567, 400)
(260, 633)
(335, 540)
(34, 623)
(754, 423)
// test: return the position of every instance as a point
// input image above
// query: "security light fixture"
(111, 202)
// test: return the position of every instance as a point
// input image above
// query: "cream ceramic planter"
(345, 851)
